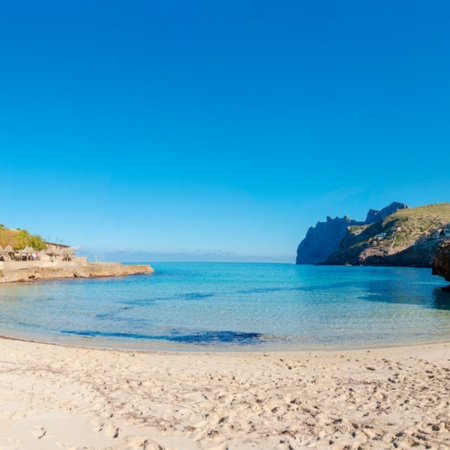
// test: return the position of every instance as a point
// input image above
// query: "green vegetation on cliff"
(408, 237)
(19, 239)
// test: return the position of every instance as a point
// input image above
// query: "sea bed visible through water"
(234, 306)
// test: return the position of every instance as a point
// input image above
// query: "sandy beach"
(78, 398)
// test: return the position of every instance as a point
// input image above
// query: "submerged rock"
(441, 264)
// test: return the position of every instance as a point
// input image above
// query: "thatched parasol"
(9, 249)
(1, 250)
(51, 251)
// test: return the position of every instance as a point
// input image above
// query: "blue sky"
(222, 129)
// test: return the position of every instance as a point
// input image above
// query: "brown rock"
(441, 264)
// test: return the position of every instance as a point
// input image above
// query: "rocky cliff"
(323, 239)
(374, 216)
(441, 264)
(409, 237)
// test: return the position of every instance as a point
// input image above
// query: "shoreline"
(72, 397)
(239, 349)
(36, 271)
(209, 351)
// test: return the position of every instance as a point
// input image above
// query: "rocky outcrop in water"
(324, 239)
(441, 264)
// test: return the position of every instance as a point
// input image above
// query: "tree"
(19, 239)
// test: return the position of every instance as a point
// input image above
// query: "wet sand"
(75, 398)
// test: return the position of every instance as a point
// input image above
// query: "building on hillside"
(57, 252)
(54, 253)
(53, 245)
(8, 254)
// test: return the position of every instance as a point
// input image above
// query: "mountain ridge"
(324, 238)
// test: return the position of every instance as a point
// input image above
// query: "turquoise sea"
(205, 306)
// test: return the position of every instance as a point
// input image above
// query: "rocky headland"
(324, 238)
(395, 236)
(409, 237)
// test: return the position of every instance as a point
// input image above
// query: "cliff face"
(409, 237)
(374, 216)
(441, 264)
(323, 239)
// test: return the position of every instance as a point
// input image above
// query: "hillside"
(408, 237)
(324, 238)
(19, 239)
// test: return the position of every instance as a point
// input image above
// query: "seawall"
(40, 270)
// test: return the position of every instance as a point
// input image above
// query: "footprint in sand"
(143, 444)
(153, 446)
(39, 432)
(111, 430)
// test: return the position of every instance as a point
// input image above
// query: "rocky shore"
(68, 270)
(441, 264)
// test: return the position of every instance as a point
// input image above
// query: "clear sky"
(223, 128)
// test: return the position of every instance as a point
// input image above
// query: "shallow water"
(234, 306)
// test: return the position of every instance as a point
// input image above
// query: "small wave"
(184, 296)
(195, 296)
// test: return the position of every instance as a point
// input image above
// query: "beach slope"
(66, 397)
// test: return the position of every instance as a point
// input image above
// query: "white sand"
(64, 397)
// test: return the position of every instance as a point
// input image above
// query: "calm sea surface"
(200, 306)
